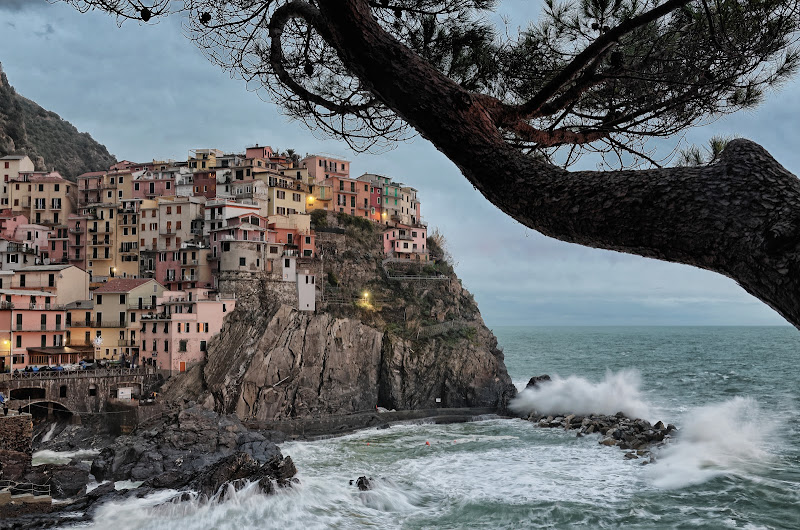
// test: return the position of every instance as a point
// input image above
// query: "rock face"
(416, 345)
(184, 444)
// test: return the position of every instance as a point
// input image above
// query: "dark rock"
(364, 483)
(537, 380)
(187, 442)
(64, 480)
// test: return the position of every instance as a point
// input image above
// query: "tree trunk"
(739, 217)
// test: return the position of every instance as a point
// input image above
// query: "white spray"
(618, 392)
(727, 438)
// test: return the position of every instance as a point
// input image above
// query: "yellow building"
(203, 159)
(118, 307)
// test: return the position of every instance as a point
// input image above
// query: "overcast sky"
(146, 92)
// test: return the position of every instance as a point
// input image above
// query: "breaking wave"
(617, 392)
(728, 438)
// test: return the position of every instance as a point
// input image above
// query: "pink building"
(9, 223)
(32, 329)
(177, 336)
(257, 151)
(187, 268)
(405, 242)
(323, 167)
(154, 184)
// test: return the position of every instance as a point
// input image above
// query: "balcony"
(127, 250)
(212, 258)
(143, 305)
(76, 230)
(103, 243)
(81, 324)
(127, 343)
(46, 307)
(189, 278)
(110, 324)
(6, 305)
(168, 231)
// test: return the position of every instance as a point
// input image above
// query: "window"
(136, 186)
(242, 262)
(22, 279)
(122, 299)
(202, 345)
(182, 345)
(166, 345)
(99, 299)
(51, 280)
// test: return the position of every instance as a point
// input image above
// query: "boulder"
(537, 380)
(364, 483)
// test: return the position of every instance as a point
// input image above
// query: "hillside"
(52, 143)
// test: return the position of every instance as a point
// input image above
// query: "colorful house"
(177, 336)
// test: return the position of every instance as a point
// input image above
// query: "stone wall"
(16, 435)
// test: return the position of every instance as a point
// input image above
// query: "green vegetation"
(319, 219)
(362, 223)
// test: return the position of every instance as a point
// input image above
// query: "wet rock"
(64, 480)
(364, 483)
(630, 456)
(187, 442)
(536, 380)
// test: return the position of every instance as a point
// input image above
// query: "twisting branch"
(309, 13)
(600, 46)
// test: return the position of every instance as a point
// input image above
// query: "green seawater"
(733, 392)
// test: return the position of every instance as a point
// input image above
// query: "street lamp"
(7, 345)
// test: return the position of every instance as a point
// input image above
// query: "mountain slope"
(51, 142)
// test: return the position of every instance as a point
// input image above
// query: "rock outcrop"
(183, 445)
(417, 344)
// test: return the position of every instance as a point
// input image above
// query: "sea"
(734, 462)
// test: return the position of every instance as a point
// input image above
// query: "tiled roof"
(122, 285)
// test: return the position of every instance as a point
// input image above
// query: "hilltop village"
(137, 264)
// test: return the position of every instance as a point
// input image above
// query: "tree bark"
(739, 217)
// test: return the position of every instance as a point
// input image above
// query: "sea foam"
(617, 392)
(728, 438)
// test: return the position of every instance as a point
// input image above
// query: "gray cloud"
(20, 5)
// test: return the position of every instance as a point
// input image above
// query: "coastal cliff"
(417, 342)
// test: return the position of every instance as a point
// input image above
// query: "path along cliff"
(413, 343)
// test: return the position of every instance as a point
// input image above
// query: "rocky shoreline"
(633, 435)
(193, 449)
(189, 449)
